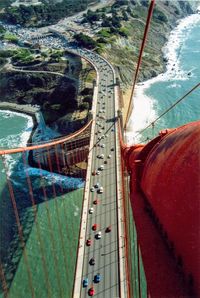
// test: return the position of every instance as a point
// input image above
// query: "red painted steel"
(147, 26)
(166, 171)
(50, 144)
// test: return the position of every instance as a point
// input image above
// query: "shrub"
(84, 106)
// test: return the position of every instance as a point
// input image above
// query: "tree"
(84, 106)
(85, 41)
(159, 16)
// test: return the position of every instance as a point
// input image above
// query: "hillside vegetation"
(45, 14)
(121, 31)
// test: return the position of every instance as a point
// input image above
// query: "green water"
(50, 232)
(68, 208)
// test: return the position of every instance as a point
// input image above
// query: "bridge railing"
(40, 203)
(137, 284)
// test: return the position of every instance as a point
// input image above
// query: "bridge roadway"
(109, 251)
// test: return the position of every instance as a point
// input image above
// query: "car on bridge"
(96, 201)
(98, 235)
(85, 282)
(89, 242)
(97, 278)
(94, 227)
(91, 210)
(91, 291)
(92, 262)
(108, 229)
(101, 167)
(100, 190)
(97, 185)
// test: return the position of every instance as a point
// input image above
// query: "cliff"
(123, 51)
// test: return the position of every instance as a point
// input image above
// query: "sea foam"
(143, 112)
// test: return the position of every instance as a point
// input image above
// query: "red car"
(94, 227)
(95, 202)
(91, 291)
(108, 229)
(93, 173)
(88, 242)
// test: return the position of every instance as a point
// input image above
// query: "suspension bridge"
(105, 253)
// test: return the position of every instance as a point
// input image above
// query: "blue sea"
(15, 130)
(155, 96)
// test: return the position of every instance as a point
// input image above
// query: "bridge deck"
(105, 251)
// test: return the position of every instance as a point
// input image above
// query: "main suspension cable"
(150, 12)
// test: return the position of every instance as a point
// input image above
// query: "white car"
(98, 172)
(101, 156)
(109, 156)
(101, 167)
(91, 210)
(100, 190)
(102, 145)
(98, 235)
(92, 189)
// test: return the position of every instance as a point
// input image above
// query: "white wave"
(174, 85)
(10, 164)
(26, 134)
(174, 45)
(20, 139)
(143, 113)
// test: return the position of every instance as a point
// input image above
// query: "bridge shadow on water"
(22, 193)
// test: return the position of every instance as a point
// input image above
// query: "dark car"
(85, 282)
(97, 278)
(88, 242)
(108, 229)
(92, 261)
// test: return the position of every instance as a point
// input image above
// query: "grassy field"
(50, 250)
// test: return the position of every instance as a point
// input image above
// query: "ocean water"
(155, 96)
(15, 129)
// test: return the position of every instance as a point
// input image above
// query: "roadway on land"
(105, 251)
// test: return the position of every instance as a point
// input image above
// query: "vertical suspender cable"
(37, 225)
(19, 227)
(3, 282)
(51, 232)
(150, 12)
(57, 212)
(138, 267)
